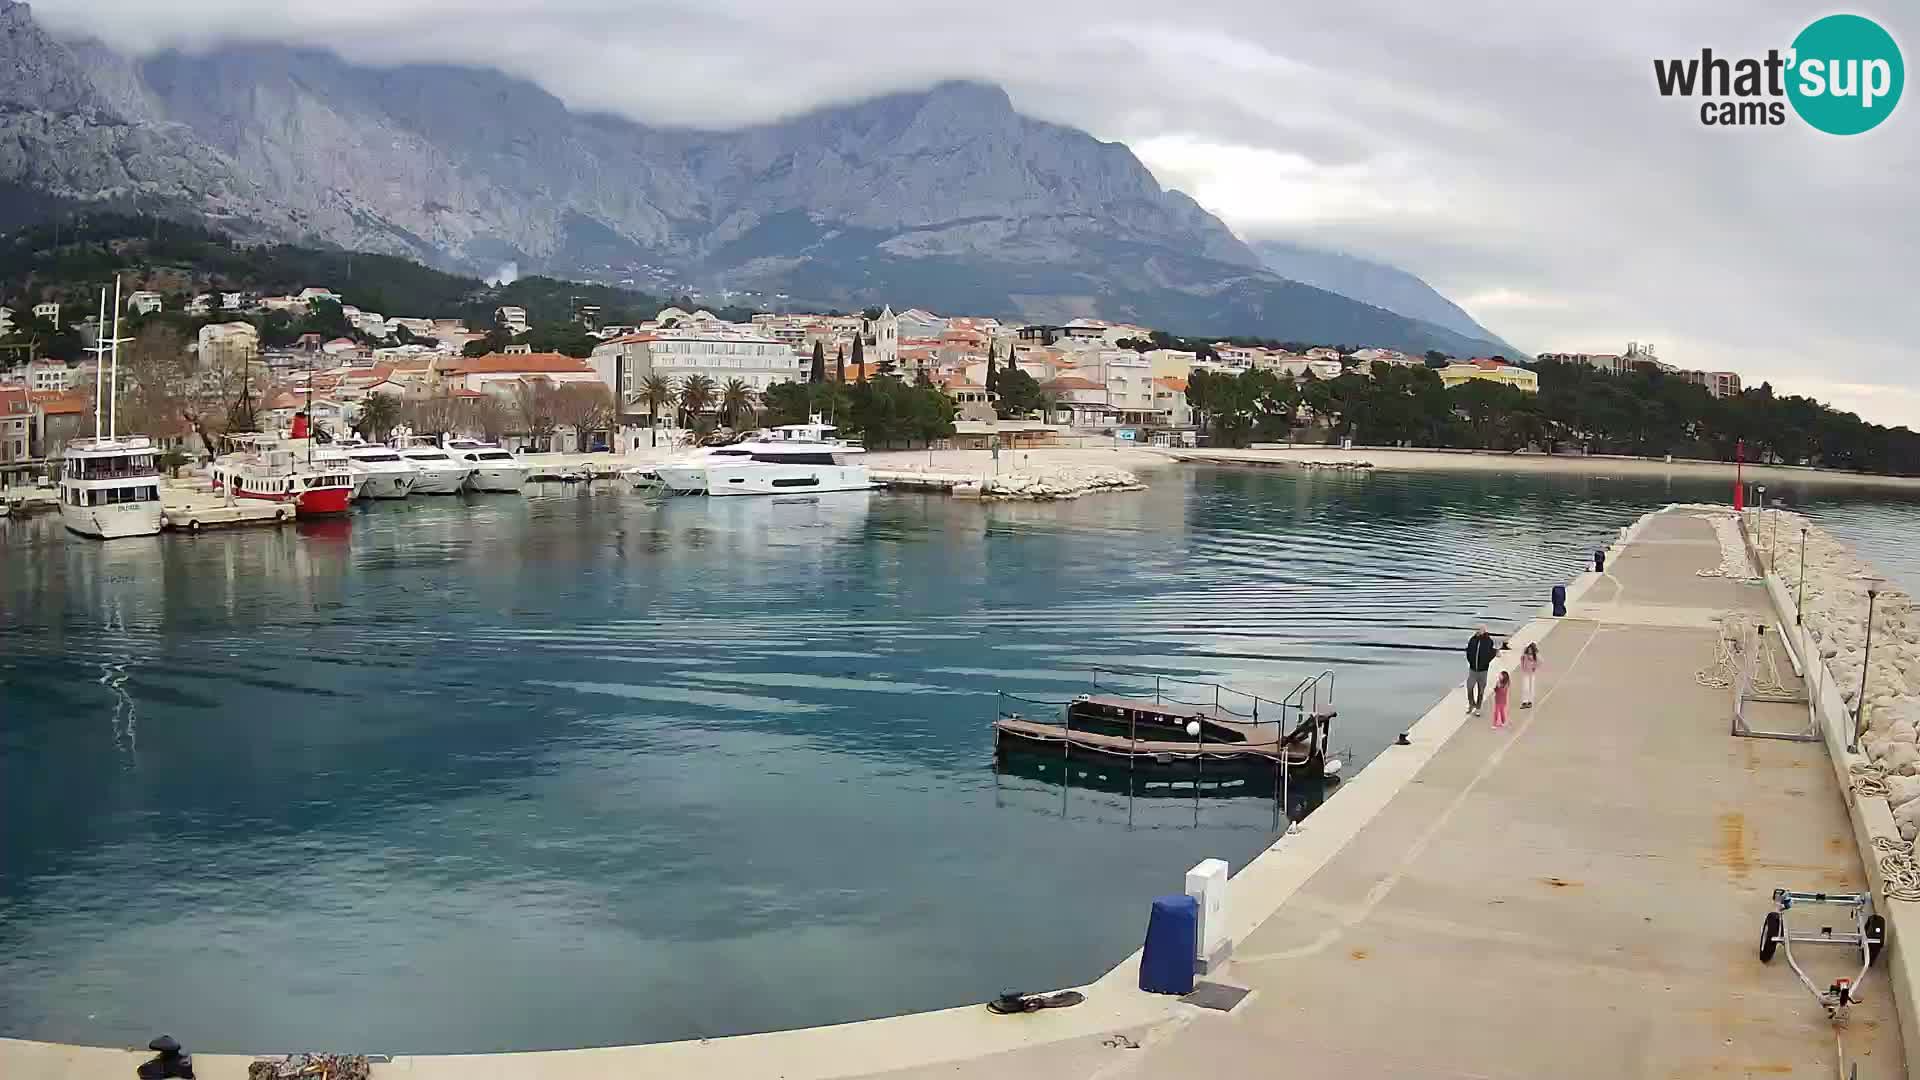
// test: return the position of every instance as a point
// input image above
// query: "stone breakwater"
(1834, 610)
(1058, 482)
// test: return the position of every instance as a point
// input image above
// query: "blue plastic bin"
(1166, 964)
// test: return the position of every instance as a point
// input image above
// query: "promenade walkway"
(1579, 895)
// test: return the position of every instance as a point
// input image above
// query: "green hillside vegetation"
(68, 261)
(1646, 413)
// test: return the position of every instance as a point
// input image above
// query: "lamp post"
(1773, 535)
(1866, 657)
(1800, 602)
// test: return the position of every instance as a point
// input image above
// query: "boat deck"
(1156, 730)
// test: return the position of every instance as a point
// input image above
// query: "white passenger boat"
(110, 484)
(435, 470)
(382, 472)
(316, 479)
(494, 469)
(796, 459)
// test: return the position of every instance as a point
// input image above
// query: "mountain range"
(946, 198)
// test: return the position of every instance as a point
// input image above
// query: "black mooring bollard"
(1599, 562)
(1559, 601)
(170, 1060)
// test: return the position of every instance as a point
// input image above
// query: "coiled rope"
(1870, 781)
(1767, 683)
(1899, 877)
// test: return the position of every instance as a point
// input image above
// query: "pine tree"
(819, 362)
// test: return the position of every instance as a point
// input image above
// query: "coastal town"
(681, 374)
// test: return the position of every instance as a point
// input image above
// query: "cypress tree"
(859, 358)
(840, 365)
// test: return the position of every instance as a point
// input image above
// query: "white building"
(51, 376)
(223, 346)
(308, 296)
(886, 341)
(511, 319)
(6, 321)
(719, 351)
(921, 323)
(200, 305)
(49, 312)
(143, 302)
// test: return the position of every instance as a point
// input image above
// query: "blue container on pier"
(1166, 964)
(1559, 601)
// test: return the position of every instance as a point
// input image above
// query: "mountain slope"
(1373, 283)
(946, 198)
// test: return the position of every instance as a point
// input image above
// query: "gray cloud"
(1517, 156)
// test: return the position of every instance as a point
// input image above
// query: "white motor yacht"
(435, 470)
(797, 459)
(381, 471)
(687, 474)
(494, 469)
(110, 484)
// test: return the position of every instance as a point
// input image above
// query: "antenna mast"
(100, 348)
(113, 377)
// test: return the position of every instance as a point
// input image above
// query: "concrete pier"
(191, 508)
(1579, 895)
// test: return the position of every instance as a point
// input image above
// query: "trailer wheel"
(1876, 929)
(284, 515)
(193, 524)
(1770, 933)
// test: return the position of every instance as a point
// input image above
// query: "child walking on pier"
(1529, 670)
(1500, 701)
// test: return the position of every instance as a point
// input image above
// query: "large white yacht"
(794, 459)
(494, 469)
(435, 471)
(687, 473)
(110, 484)
(382, 472)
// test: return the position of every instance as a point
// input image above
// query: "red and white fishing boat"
(315, 478)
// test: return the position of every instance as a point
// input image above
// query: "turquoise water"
(582, 768)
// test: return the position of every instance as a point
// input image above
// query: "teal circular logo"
(1846, 74)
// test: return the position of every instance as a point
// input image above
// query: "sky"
(1514, 154)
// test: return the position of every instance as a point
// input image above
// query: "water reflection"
(621, 769)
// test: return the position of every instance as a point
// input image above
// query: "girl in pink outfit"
(1529, 668)
(1500, 701)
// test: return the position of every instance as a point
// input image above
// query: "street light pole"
(1800, 603)
(1866, 657)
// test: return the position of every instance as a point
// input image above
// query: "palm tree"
(658, 393)
(378, 416)
(736, 398)
(696, 393)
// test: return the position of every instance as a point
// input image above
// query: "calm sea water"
(583, 768)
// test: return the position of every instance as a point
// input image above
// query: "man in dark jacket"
(1480, 652)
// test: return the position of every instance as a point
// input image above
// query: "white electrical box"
(1207, 884)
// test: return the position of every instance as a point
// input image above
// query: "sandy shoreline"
(1563, 464)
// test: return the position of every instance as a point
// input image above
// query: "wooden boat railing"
(1304, 706)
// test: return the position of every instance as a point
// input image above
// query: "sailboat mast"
(99, 360)
(113, 378)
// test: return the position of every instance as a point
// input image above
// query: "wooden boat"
(1172, 735)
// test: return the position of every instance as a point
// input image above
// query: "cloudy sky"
(1518, 158)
